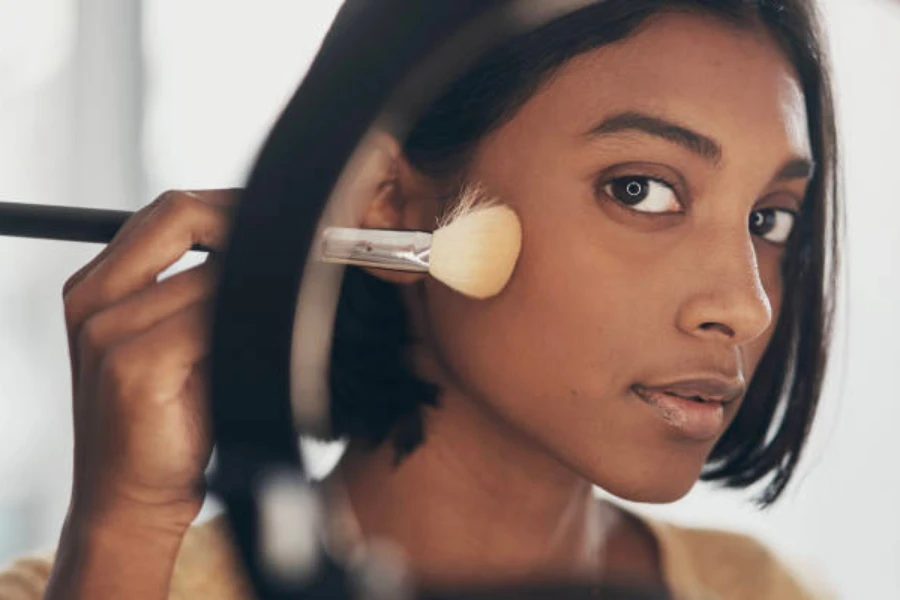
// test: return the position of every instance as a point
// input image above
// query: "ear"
(397, 197)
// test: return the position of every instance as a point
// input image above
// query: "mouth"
(694, 408)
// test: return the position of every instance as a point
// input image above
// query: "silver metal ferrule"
(377, 248)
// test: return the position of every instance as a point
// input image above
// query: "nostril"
(718, 327)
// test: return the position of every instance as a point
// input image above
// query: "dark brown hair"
(375, 396)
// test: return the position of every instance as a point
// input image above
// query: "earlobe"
(396, 277)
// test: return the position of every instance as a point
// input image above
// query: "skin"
(536, 406)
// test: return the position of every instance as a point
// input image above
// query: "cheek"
(585, 316)
(574, 319)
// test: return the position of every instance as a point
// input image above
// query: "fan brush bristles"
(476, 246)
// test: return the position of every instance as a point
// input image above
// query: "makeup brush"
(64, 223)
(473, 251)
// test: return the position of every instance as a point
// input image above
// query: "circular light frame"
(382, 63)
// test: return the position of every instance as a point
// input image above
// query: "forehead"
(732, 83)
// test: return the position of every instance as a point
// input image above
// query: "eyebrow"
(697, 143)
(800, 168)
(705, 147)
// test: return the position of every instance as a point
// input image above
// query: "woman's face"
(655, 179)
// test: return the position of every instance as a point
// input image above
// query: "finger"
(141, 310)
(226, 198)
(123, 233)
(74, 280)
(155, 365)
(168, 232)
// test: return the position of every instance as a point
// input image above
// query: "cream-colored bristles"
(476, 247)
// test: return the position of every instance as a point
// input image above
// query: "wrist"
(124, 511)
(115, 555)
(123, 529)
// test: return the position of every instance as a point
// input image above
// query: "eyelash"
(603, 184)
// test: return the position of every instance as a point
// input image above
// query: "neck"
(500, 506)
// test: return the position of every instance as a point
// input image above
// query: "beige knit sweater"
(698, 564)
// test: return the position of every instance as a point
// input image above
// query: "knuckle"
(80, 305)
(166, 197)
(69, 285)
(74, 280)
(69, 299)
(179, 203)
(104, 292)
(73, 307)
(187, 211)
(92, 335)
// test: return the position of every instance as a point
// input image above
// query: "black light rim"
(373, 45)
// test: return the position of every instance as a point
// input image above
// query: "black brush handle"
(67, 223)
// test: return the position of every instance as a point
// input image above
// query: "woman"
(672, 163)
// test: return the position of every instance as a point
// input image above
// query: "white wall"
(217, 74)
(35, 153)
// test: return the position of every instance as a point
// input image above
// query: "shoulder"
(208, 566)
(25, 579)
(728, 565)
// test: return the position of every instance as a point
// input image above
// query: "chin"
(651, 493)
(647, 481)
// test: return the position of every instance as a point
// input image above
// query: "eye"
(773, 224)
(644, 194)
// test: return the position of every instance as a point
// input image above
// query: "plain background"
(107, 103)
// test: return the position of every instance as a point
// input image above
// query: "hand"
(139, 352)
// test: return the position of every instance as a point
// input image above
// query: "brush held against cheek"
(474, 252)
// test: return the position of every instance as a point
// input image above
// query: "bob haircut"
(376, 397)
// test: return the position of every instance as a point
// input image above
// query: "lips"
(695, 408)
(723, 391)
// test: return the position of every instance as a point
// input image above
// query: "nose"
(728, 301)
